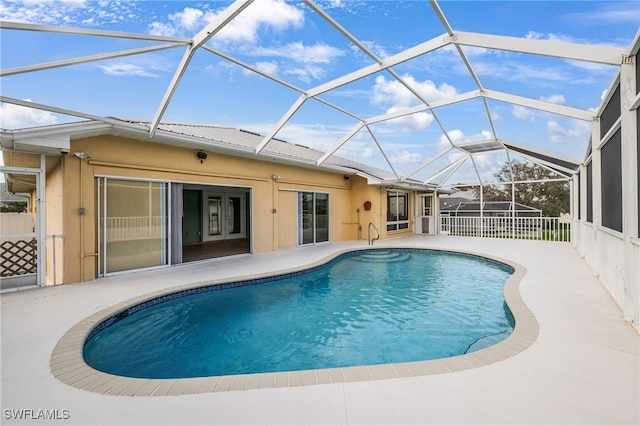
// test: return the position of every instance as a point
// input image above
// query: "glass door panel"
(305, 218)
(134, 227)
(313, 217)
(215, 215)
(322, 217)
(234, 215)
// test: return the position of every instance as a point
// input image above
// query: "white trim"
(616, 126)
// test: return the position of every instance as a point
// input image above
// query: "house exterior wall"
(274, 189)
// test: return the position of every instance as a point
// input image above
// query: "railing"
(134, 228)
(371, 240)
(528, 228)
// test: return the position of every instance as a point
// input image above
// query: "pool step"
(383, 257)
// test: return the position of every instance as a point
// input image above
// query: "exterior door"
(428, 220)
(313, 217)
(225, 215)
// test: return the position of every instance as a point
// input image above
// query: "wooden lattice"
(18, 257)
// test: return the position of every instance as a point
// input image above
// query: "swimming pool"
(368, 307)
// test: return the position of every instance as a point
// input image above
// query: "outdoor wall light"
(82, 155)
(201, 155)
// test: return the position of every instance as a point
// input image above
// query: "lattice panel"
(18, 257)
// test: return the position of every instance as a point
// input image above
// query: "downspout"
(274, 211)
(41, 234)
(81, 213)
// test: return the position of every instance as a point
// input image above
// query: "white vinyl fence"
(528, 228)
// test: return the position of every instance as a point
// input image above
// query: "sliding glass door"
(134, 225)
(313, 217)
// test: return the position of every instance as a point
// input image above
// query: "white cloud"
(15, 117)
(603, 94)
(534, 35)
(413, 122)
(306, 73)
(376, 48)
(189, 19)
(67, 12)
(607, 13)
(579, 132)
(510, 70)
(556, 99)
(305, 62)
(270, 68)
(393, 92)
(126, 70)
(162, 29)
(523, 113)
(318, 53)
(274, 14)
(404, 157)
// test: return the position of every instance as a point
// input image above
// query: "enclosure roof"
(430, 93)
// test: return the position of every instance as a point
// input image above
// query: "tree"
(13, 207)
(550, 197)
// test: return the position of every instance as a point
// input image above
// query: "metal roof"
(209, 138)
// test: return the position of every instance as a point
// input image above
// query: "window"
(313, 217)
(397, 211)
(426, 206)
(133, 224)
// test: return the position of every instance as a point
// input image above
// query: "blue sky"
(289, 41)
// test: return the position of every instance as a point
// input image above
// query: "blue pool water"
(363, 308)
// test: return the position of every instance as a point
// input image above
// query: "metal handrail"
(369, 239)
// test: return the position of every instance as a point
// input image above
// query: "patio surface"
(584, 368)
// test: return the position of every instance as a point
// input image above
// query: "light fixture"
(201, 155)
(82, 155)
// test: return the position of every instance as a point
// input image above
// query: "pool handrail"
(369, 239)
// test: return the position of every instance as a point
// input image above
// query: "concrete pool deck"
(584, 367)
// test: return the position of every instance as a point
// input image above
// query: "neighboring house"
(111, 198)
(12, 200)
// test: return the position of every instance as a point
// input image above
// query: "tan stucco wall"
(54, 226)
(72, 203)
(377, 195)
(116, 157)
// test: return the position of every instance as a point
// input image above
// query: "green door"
(192, 216)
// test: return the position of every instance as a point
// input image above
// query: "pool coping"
(68, 366)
